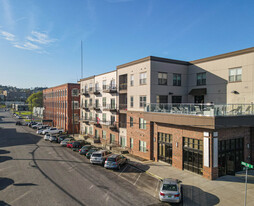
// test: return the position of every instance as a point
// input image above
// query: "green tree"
(36, 99)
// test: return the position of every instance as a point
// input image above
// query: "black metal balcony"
(110, 107)
(109, 88)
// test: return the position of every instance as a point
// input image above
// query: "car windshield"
(111, 159)
(169, 187)
(96, 155)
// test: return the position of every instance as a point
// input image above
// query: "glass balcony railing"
(203, 109)
(123, 86)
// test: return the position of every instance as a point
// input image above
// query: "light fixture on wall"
(235, 92)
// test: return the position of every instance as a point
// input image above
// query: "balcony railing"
(84, 106)
(90, 106)
(203, 109)
(123, 107)
(123, 86)
(110, 88)
(84, 119)
(97, 106)
(110, 107)
(85, 91)
(94, 90)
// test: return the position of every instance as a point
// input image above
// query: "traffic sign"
(247, 165)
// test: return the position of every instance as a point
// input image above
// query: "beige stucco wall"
(219, 89)
(137, 90)
(170, 69)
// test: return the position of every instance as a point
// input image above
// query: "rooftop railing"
(202, 109)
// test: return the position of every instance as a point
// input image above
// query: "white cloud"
(27, 46)
(7, 36)
(40, 38)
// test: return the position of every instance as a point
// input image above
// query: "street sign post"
(247, 165)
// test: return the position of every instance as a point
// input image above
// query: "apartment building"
(196, 115)
(99, 108)
(61, 105)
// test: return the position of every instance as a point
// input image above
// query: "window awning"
(196, 92)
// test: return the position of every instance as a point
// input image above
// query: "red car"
(74, 144)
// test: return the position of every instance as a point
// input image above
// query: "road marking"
(137, 179)
(156, 189)
(91, 187)
(21, 196)
(123, 170)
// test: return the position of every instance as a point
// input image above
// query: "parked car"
(36, 126)
(91, 151)
(85, 149)
(99, 157)
(60, 138)
(53, 130)
(41, 129)
(115, 161)
(46, 137)
(74, 144)
(30, 124)
(65, 142)
(170, 190)
(53, 138)
(18, 123)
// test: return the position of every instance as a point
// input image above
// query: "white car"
(36, 126)
(39, 131)
(46, 137)
(53, 130)
(99, 157)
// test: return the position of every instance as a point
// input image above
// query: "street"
(35, 172)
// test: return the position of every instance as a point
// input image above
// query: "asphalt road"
(35, 172)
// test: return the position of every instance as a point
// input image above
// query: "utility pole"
(81, 59)
(72, 116)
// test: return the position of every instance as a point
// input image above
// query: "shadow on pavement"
(239, 177)
(4, 151)
(195, 196)
(5, 182)
(2, 203)
(5, 158)
(25, 184)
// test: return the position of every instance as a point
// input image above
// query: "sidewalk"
(226, 190)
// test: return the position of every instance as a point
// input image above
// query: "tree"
(36, 99)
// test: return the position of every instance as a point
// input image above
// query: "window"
(97, 103)
(132, 101)
(113, 103)
(113, 84)
(131, 143)
(177, 99)
(201, 78)
(142, 146)
(104, 84)
(104, 117)
(235, 75)
(85, 130)
(132, 80)
(104, 133)
(142, 79)
(97, 134)
(142, 123)
(90, 115)
(112, 138)
(97, 87)
(142, 101)
(75, 92)
(176, 79)
(90, 87)
(75, 105)
(162, 78)
(131, 121)
(162, 99)
(90, 101)
(104, 101)
(90, 130)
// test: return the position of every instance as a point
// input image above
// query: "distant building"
(2, 97)
(16, 95)
(61, 105)
(38, 111)
(21, 107)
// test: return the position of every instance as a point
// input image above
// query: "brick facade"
(139, 135)
(57, 102)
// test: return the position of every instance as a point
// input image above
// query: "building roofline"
(222, 56)
(104, 73)
(87, 78)
(153, 58)
(66, 84)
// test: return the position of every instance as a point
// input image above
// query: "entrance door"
(165, 147)
(199, 99)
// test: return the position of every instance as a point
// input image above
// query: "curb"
(149, 173)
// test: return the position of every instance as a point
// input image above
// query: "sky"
(40, 40)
